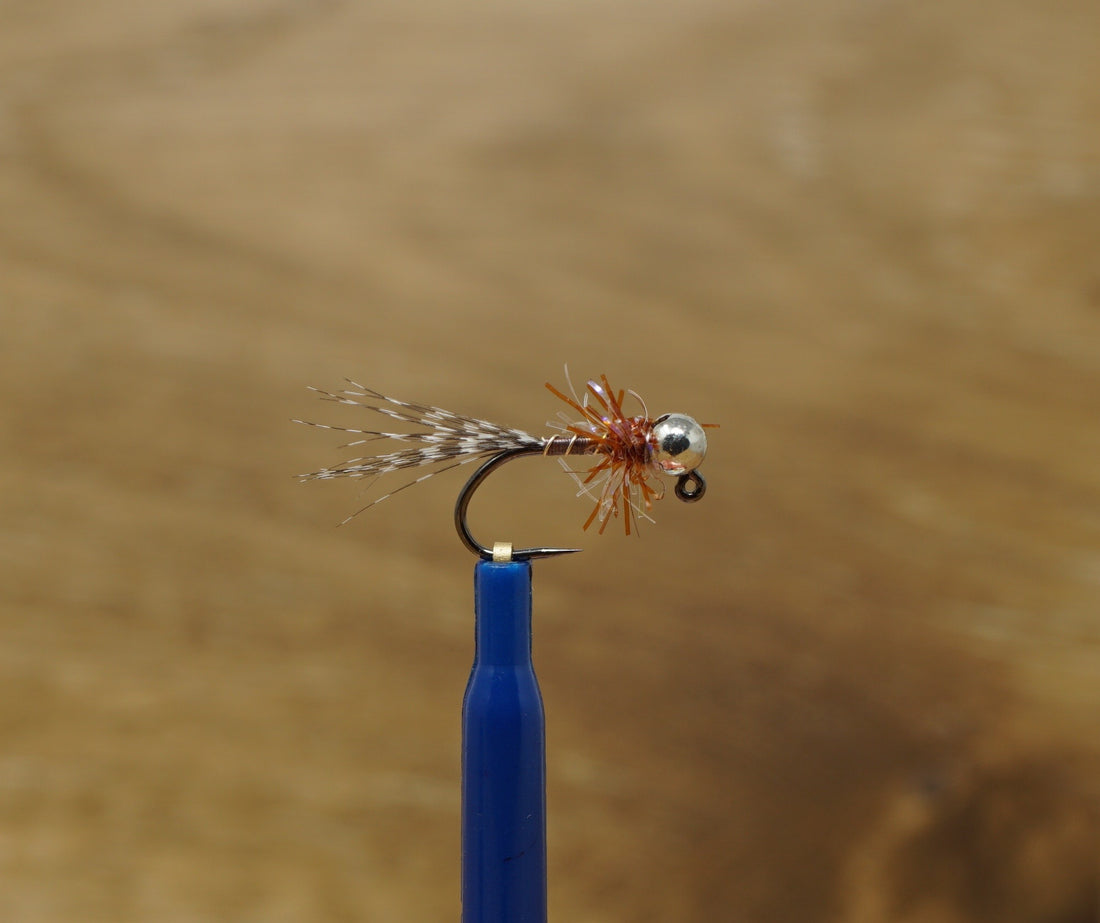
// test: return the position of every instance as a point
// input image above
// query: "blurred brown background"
(859, 682)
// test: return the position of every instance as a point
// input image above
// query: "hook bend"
(502, 552)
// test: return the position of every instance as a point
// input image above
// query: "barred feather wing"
(444, 440)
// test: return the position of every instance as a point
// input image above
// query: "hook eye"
(690, 487)
(502, 551)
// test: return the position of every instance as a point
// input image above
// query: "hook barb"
(463, 502)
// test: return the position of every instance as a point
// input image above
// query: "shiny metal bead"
(681, 443)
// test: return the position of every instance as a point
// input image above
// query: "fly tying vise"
(629, 453)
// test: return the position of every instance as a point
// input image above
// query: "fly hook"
(502, 551)
(690, 487)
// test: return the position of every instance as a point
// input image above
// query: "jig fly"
(628, 452)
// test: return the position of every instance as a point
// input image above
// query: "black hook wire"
(503, 551)
(695, 492)
(689, 488)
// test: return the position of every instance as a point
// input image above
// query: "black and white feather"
(446, 439)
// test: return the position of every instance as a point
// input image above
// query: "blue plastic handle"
(503, 757)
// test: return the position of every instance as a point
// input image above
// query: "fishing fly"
(629, 454)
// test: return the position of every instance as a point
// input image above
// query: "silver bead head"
(681, 444)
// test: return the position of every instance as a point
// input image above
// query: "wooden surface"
(859, 682)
